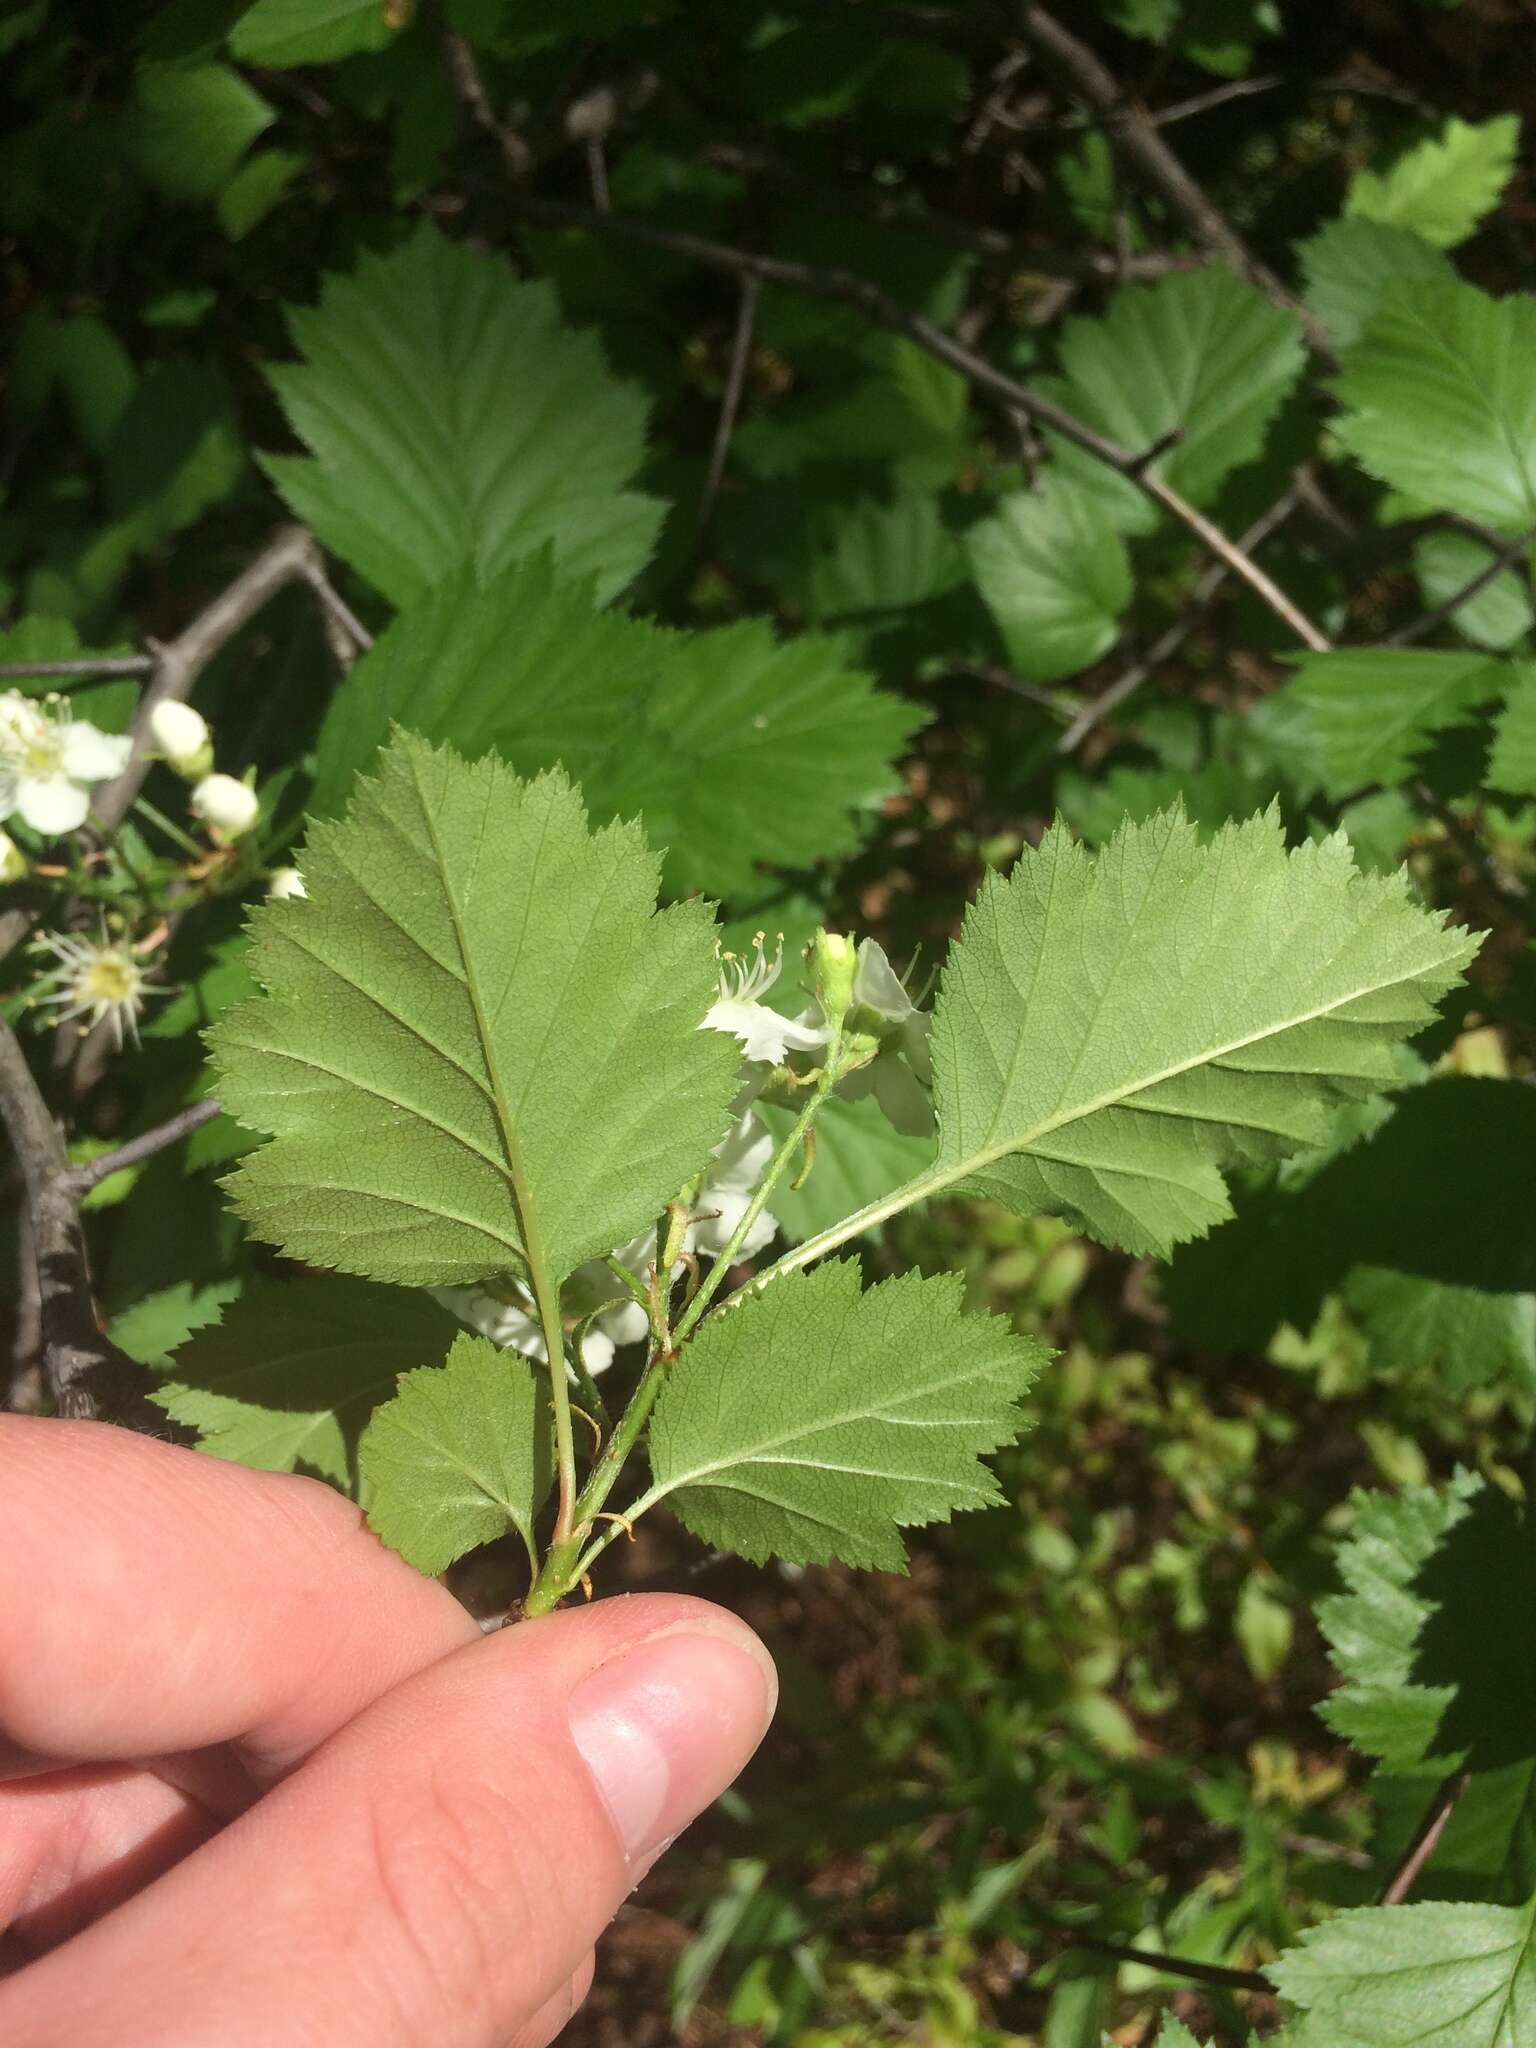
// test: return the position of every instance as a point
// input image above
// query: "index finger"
(153, 1599)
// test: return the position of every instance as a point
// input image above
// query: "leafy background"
(848, 640)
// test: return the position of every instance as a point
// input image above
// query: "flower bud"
(182, 736)
(228, 807)
(283, 883)
(833, 961)
(13, 862)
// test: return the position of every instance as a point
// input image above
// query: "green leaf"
(479, 1047)
(1441, 189)
(175, 452)
(736, 748)
(1055, 576)
(1198, 353)
(813, 1422)
(1174, 2034)
(1439, 401)
(291, 1374)
(458, 1457)
(1498, 615)
(860, 1157)
(871, 557)
(1433, 1637)
(1112, 1029)
(256, 188)
(153, 1328)
(1461, 1976)
(1350, 263)
(1512, 764)
(1367, 712)
(1467, 1336)
(455, 421)
(1376, 1201)
(283, 32)
(189, 126)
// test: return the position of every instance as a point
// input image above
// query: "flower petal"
(52, 804)
(91, 755)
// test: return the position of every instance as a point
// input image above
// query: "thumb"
(439, 1869)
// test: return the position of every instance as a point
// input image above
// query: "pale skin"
(259, 1781)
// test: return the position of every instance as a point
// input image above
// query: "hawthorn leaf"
(736, 748)
(460, 1455)
(814, 1422)
(454, 421)
(1512, 764)
(1349, 264)
(1367, 712)
(292, 1372)
(1467, 1336)
(1200, 354)
(1462, 1976)
(860, 1156)
(1432, 1635)
(1375, 1199)
(1497, 616)
(1441, 189)
(188, 126)
(152, 1328)
(1174, 2034)
(1113, 1029)
(1439, 401)
(1055, 576)
(870, 557)
(479, 1046)
(286, 32)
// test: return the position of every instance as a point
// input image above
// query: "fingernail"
(666, 1726)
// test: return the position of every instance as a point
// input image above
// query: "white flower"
(901, 1073)
(284, 883)
(48, 762)
(13, 862)
(764, 1034)
(183, 737)
(96, 979)
(228, 806)
(739, 1165)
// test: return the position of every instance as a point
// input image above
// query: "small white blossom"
(284, 883)
(228, 806)
(901, 1074)
(764, 1034)
(13, 862)
(48, 762)
(739, 1165)
(96, 979)
(183, 737)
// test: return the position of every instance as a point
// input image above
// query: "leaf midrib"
(938, 1177)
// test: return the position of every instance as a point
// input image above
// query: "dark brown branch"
(1426, 1841)
(86, 1373)
(1085, 266)
(1134, 133)
(730, 403)
(1173, 1966)
(83, 1178)
(1172, 639)
(290, 556)
(109, 665)
(853, 290)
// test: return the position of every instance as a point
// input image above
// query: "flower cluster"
(49, 761)
(862, 1003)
(227, 806)
(511, 1321)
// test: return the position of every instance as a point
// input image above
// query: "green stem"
(562, 1567)
(627, 1280)
(172, 832)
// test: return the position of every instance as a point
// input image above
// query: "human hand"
(260, 1782)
